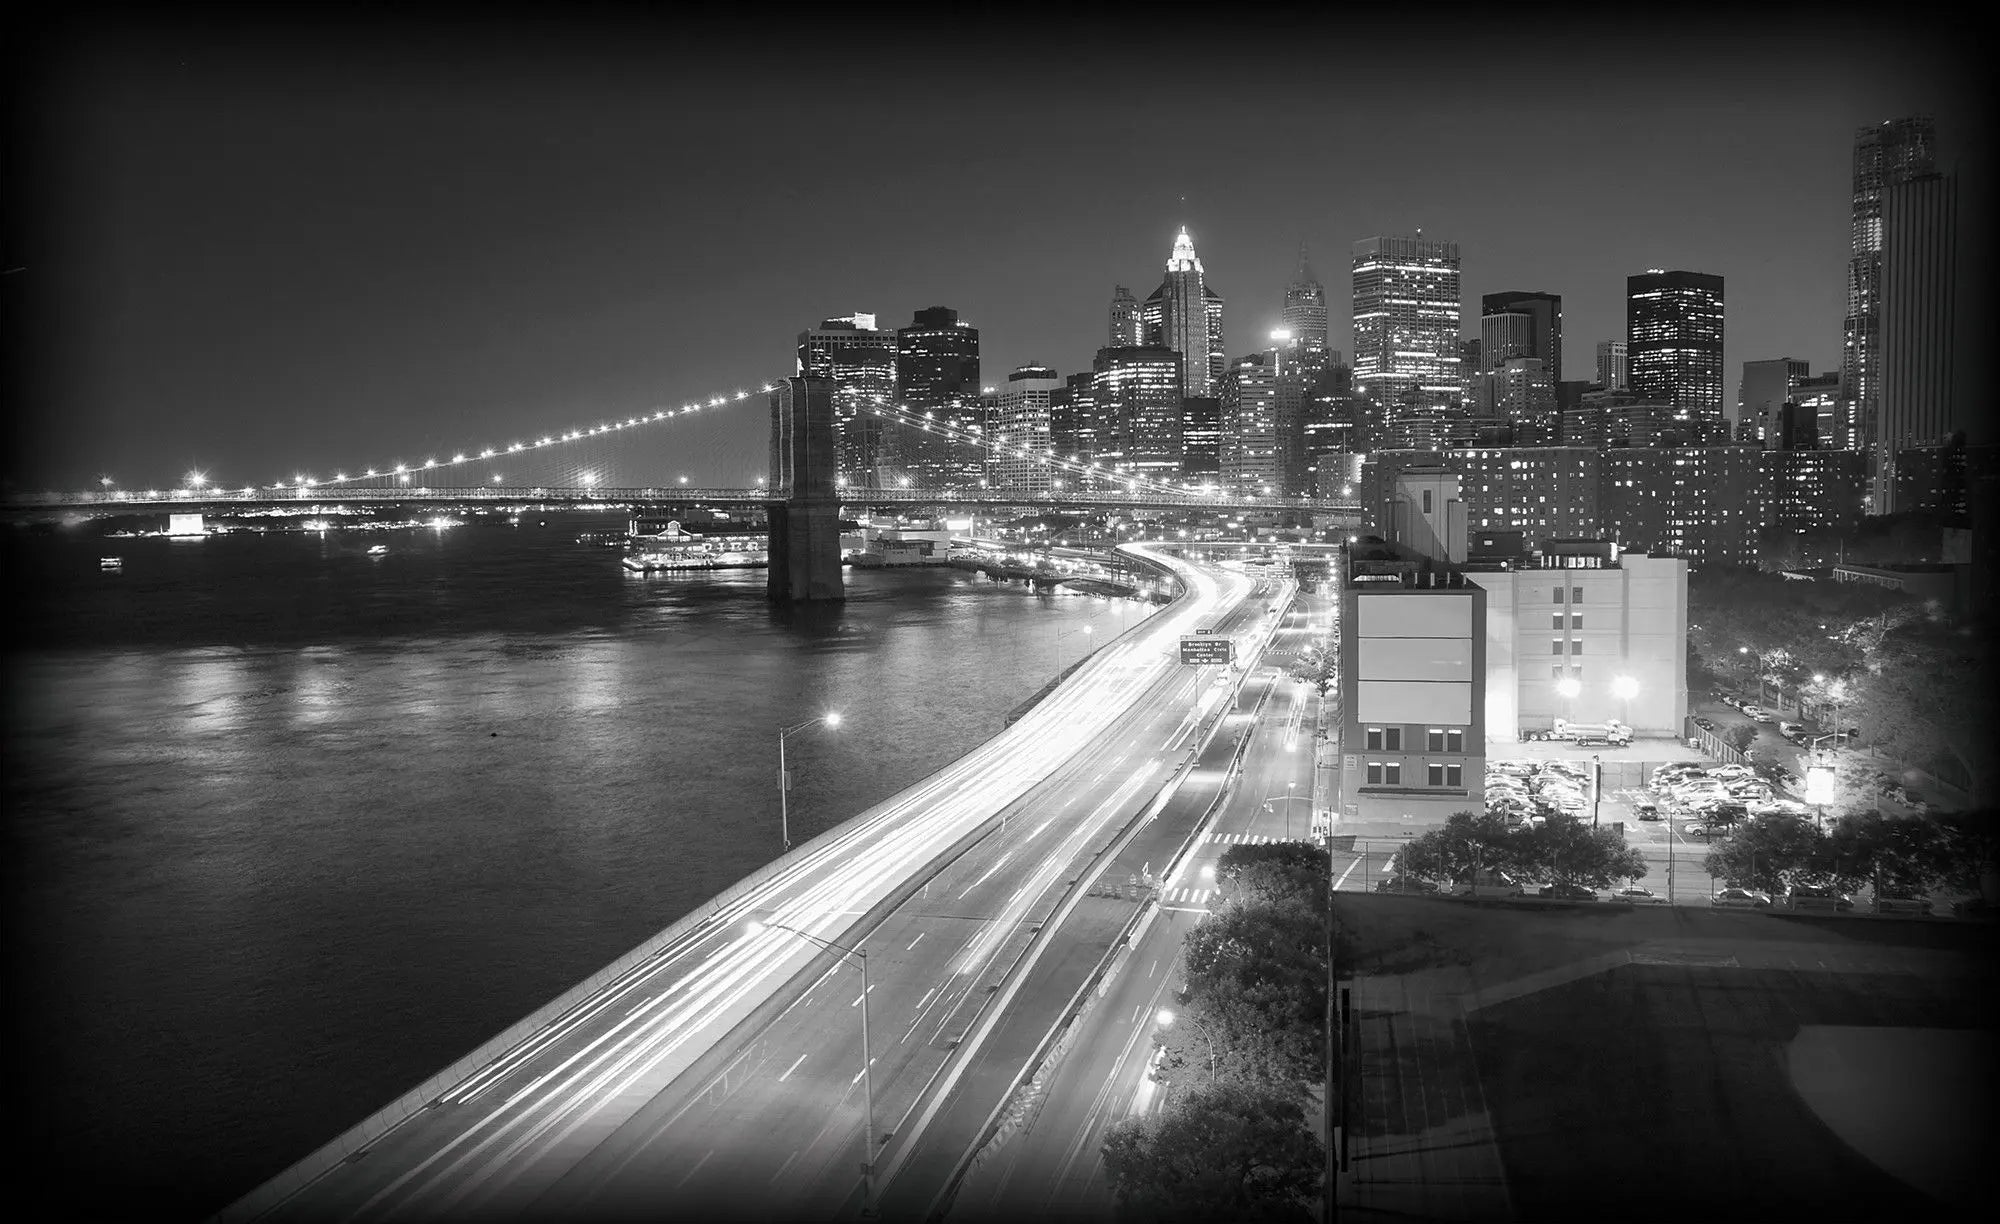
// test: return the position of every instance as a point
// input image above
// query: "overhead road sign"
(1206, 649)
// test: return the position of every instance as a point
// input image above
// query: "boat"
(378, 550)
(111, 563)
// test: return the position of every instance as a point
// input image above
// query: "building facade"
(1533, 328)
(937, 376)
(1915, 324)
(1407, 303)
(1020, 441)
(859, 360)
(1765, 388)
(1127, 330)
(1304, 316)
(1249, 426)
(1887, 154)
(1673, 344)
(1613, 373)
(1137, 393)
(1185, 315)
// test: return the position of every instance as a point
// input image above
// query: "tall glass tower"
(1185, 315)
(1305, 315)
(1407, 301)
(1673, 345)
(1891, 153)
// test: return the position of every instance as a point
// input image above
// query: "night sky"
(302, 246)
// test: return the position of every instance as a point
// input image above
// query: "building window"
(1556, 672)
(1559, 594)
(1392, 774)
(1433, 775)
(1374, 739)
(1454, 741)
(1556, 622)
(1454, 775)
(1374, 773)
(1576, 622)
(1576, 646)
(1434, 740)
(1427, 501)
(1392, 740)
(1576, 594)
(1556, 647)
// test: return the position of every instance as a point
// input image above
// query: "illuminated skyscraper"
(1126, 330)
(1021, 442)
(1673, 340)
(860, 361)
(1885, 155)
(1138, 402)
(937, 374)
(1305, 317)
(1185, 315)
(1406, 320)
(1249, 450)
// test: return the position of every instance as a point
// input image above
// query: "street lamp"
(1166, 1019)
(831, 719)
(860, 958)
(1290, 793)
(1569, 688)
(1626, 688)
(1757, 658)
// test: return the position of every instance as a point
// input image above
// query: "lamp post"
(1626, 688)
(860, 958)
(831, 719)
(1757, 662)
(1166, 1019)
(1085, 630)
(1569, 688)
(1291, 789)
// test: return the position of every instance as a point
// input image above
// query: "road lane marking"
(697, 1168)
(788, 1164)
(788, 1070)
(919, 939)
(1155, 968)
(989, 873)
(863, 995)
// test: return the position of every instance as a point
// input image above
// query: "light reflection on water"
(295, 827)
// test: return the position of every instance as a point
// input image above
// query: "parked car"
(1706, 724)
(1731, 771)
(1790, 730)
(1646, 811)
(1694, 830)
(1488, 884)
(1759, 714)
(1817, 897)
(1638, 896)
(1405, 884)
(1740, 898)
(1732, 700)
(1569, 892)
(1907, 904)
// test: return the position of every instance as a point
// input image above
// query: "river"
(294, 826)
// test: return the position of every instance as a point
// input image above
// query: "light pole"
(1166, 1019)
(1291, 789)
(831, 719)
(1757, 662)
(1085, 630)
(1569, 688)
(859, 957)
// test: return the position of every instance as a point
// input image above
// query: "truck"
(1613, 733)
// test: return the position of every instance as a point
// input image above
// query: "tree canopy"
(1227, 1151)
(1564, 848)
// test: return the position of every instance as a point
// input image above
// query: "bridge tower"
(805, 526)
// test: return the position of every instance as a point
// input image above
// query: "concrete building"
(1020, 442)
(1613, 374)
(1586, 632)
(1127, 331)
(1413, 692)
(1529, 324)
(1709, 504)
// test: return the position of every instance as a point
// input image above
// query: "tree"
(1243, 946)
(1267, 1033)
(1569, 851)
(1970, 852)
(1740, 735)
(1273, 873)
(1226, 1151)
(1928, 693)
(1899, 856)
(1465, 842)
(1770, 855)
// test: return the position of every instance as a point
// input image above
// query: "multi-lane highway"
(1053, 1168)
(722, 1077)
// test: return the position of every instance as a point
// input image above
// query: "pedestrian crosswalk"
(1243, 839)
(1187, 896)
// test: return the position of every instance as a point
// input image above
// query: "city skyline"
(222, 225)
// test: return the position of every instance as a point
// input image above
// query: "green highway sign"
(1206, 649)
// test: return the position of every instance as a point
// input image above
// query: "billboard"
(1206, 649)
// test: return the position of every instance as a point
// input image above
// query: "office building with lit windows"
(1584, 631)
(1709, 504)
(1249, 426)
(1613, 373)
(1673, 345)
(1201, 437)
(860, 361)
(1127, 331)
(1137, 393)
(1915, 326)
(1812, 498)
(1519, 323)
(1888, 154)
(1413, 677)
(1407, 303)
(1304, 318)
(1019, 443)
(1185, 315)
(937, 376)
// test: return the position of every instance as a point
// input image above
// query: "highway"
(1053, 1169)
(723, 1075)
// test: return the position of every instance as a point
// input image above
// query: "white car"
(1758, 714)
(1740, 898)
(1732, 770)
(1638, 896)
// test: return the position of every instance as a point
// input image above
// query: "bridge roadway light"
(858, 956)
(832, 719)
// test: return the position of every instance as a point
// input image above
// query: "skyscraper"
(1138, 400)
(1020, 441)
(1673, 339)
(1249, 449)
(1406, 324)
(1537, 333)
(1185, 315)
(1612, 373)
(1126, 330)
(937, 374)
(860, 361)
(1304, 316)
(1889, 153)
(1915, 325)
